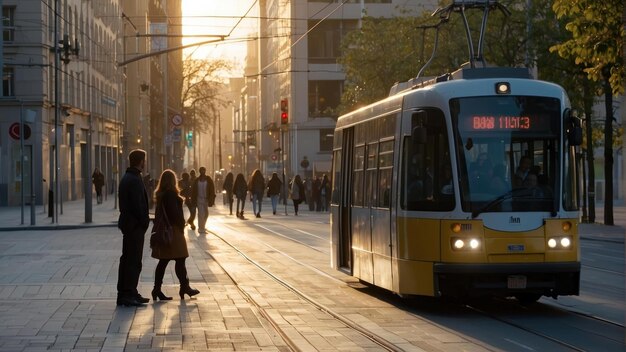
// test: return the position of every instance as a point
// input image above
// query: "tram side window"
(385, 165)
(336, 181)
(357, 187)
(370, 175)
(426, 167)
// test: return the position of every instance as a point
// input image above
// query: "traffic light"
(190, 139)
(284, 112)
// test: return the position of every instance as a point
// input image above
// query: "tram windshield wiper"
(516, 192)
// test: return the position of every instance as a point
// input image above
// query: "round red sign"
(14, 131)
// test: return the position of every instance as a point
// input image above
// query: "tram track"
(523, 328)
(522, 322)
(511, 322)
(374, 338)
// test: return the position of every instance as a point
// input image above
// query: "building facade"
(294, 70)
(69, 105)
(85, 111)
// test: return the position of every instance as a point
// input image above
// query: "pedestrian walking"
(228, 188)
(133, 222)
(256, 186)
(184, 185)
(240, 189)
(273, 190)
(97, 178)
(308, 192)
(315, 193)
(297, 192)
(324, 191)
(192, 206)
(203, 197)
(170, 203)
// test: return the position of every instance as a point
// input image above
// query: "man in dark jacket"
(133, 221)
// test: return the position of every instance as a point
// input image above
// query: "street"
(266, 283)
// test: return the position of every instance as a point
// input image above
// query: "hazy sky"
(219, 17)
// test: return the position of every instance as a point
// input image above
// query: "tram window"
(359, 163)
(384, 188)
(385, 164)
(370, 175)
(426, 167)
(387, 126)
(336, 181)
(509, 132)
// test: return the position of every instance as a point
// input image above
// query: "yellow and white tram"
(464, 185)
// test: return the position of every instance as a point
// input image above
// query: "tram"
(463, 185)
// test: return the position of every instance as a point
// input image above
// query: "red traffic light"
(284, 118)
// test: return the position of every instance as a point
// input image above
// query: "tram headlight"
(552, 243)
(503, 88)
(559, 242)
(465, 244)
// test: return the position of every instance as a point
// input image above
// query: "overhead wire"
(308, 31)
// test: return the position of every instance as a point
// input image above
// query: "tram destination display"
(495, 114)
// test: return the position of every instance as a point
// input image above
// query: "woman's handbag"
(162, 231)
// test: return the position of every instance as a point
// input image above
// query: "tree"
(200, 93)
(370, 69)
(385, 51)
(546, 30)
(597, 39)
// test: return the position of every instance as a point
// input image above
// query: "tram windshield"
(508, 152)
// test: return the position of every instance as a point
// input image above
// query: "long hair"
(298, 180)
(167, 182)
(254, 178)
(228, 182)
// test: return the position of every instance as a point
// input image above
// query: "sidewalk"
(106, 214)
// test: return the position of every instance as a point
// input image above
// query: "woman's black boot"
(157, 293)
(185, 289)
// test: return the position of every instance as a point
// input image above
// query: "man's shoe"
(142, 299)
(129, 302)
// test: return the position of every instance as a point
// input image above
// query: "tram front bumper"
(548, 279)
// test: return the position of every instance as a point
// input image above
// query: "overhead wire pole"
(57, 110)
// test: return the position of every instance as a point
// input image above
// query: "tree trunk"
(591, 178)
(608, 151)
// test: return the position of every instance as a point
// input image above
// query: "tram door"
(345, 190)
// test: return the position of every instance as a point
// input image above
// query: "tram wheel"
(527, 298)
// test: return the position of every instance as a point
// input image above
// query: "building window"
(326, 140)
(8, 82)
(324, 98)
(324, 40)
(8, 23)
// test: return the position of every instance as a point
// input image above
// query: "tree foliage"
(386, 51)
(381, 53)
(597, 38)
(200, 92)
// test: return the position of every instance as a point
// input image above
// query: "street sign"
(14, 131)
(177, 120)
(168, 139)
(176, 133)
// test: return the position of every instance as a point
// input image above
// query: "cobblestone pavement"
(58, 289)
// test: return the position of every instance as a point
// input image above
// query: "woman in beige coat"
(169, 201)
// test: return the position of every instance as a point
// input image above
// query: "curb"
(55, 227)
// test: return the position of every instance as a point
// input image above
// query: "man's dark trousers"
(130, 263)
